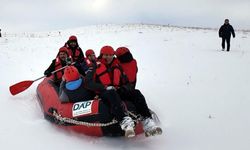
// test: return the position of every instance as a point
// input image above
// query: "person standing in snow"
(225, 32)
(62, 59)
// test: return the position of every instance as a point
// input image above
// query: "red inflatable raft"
(88, 117)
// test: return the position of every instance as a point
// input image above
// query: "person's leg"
(115, 103)
(117, 109)
(228, 43)
(140, 103)
(137, 99)
(149, 126)
(223, 43)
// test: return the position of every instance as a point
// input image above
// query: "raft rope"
(89, 124)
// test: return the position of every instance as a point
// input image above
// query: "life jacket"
(115, 72)
(58, 75)
(88, 62)
(130, 69)
(128, 64)
(76, 55)
(102, 75)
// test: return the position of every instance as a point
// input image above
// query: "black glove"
(47, 73)
(68, 61)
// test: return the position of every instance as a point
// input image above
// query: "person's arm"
(220, 31)
(80, 58)
(79, 62)
(232, 30)
(90, 83)
(50, 69)
(62, 95)
(84, 67)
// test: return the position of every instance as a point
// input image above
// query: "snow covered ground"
(200, 93)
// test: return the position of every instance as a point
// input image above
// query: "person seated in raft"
(62, 59)
(72, 87)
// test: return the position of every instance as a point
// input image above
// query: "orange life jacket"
(130, 69)
(58, 75)
(115, 72)
(102, 74)
(75, 56)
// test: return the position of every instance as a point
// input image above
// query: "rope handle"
(88, 124)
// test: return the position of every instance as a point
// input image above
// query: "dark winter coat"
(76, 95)
(225, 31)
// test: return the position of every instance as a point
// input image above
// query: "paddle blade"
(19, 87)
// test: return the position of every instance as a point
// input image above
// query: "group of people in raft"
(111, 76)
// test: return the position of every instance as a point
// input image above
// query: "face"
(72, 43)
(92, 57)
(63, 56)
(108, 58)
(226, 21)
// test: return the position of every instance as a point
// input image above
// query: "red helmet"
(107, 50)
(71, 74)
(64, 49)
(121, 51)
(89, 52)
(72, 38)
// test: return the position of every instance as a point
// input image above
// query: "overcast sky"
(47, 15)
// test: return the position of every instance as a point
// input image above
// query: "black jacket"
(226, 30)
(52, 66)
(91, 82)
(77, 95)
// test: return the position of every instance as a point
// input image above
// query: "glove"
(47, 73)
(68, 61)
(110, 88)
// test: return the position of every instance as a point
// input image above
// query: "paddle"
(21, 86)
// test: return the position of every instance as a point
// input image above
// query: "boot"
(127, 124)
(150, 128)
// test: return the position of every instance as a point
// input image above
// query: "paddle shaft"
(54, 72)
(21, 86)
